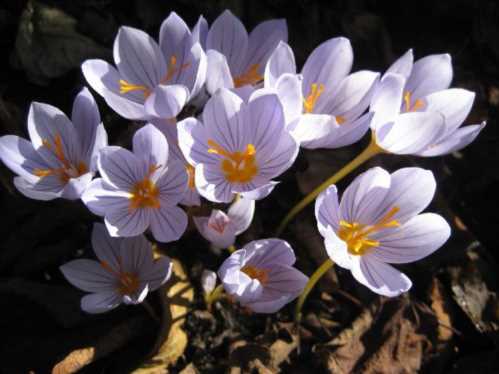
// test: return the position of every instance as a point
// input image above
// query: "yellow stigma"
(356, 235)
(128, 282)
(190, 176)
(126, 87)
(418, 104)
(316, 90)
(172, 69)
(255, 273)
(251, 76)
(145, 193)
(340, 120)
(238, 167)
(67, 170)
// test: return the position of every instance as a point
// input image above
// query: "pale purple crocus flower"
(423, 86)
(325, 105)
(237, 60)
(170, 131)
(60, 160)
(239, 147)
(151, 80)
(124, 272)
(378, 222)
(140, 190)
(221, 228)
(261, 276)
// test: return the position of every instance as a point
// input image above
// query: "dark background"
(42, 45)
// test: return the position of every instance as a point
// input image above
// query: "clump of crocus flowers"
(253, 111)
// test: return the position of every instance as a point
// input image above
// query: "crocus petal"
(193, 141)
(166, 101)
(217, 229)
(267, 252)
(76, 186)
(280, 62)
(218, 74)
(260, 192)
(229, 36)
(19, 156)
(106, 248)
(151, 146)
(168, 223)
(158, 273)
(174, 37)
(135, 254)
(138, 296)
(89, 276)
(200, 32)
(119, 167)
(430, 74)
(99, 197)
(283, 156)
(172, 184)
(104, 79)
(328, 64)
(48, 124)
(33, 191)
(310, 129)
(138, 57)
(241, 213)
(454, 142)
(337, 249)
(86, 120)
(410, 133)
(194, 75)
(208, 281)
(403, 65)
(263, 39)
(364, 196)
(411, 190)
(417, 238)
(212, 184)
(455, 105)
(288, 88)
(123, 221)
(100, 302)
(379, 277)
(327, 209)
(387, 98)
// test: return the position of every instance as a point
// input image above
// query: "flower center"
(238, 167)
(171, 70)
(356, 235)
(315, 92)
(254, 273)
(418, 104)
(251, 76)
(145, 193)
(128, 282)
(67, 169)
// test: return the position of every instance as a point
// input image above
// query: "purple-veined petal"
(264, 253)
(76, 186)
(328, 64)
(241, 213)
(281, 61)
(158, 273)
(453, 142)
(403, 65)
(119, 167)
(100, 197)
(200, 32)
(151, 146)
(138, 296)
(410, 133)
(288, 88)
(218, 73)
(337, 249)
(387, 99)
(211, 183)
(430, 74)
(229, 36)
(284, 155)
(174, 37)
(327, 210)
(106, 248)
(379, 277)
(100, 302)
(138, 57)
(135, 254)
(217, 229)
(194, 75)
(417, 238)
(193, 142)
(172, 184)
(89, 276)
(260, 192)
(166, 101)
(124, 221)
(168, 223)
(363, 198)
(34, 191)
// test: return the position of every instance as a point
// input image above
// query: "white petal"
(387, 99)
(403, 65)
(337, 249)
(75, 187)
(327, 210)
(430, 74)
(166, 101)
(280, 62)
(151, 146)
(100, 198)
(241, 213)
(288, 88)
(218, 73)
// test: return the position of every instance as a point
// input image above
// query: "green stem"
(215, 295)
(328, 264)
(371, 150)
(231, 248)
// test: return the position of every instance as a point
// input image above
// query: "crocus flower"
(221, 229)
(124, 273)
(170, 131)
(239, 147)
(60, 160)
(325, 105)
(208, 281)
(140, 190)
(423, 86)
(261, 275)
(378, 222)
(236, 60)
(151, 80)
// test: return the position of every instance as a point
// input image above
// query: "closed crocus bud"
(208, 281)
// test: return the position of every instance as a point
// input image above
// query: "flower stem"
(215, 295)
(231, 248)
(371, 150)
(328, 264)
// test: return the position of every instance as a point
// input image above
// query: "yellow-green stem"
(371, 150)
(231, 248)
(328, 264)
(216, 294)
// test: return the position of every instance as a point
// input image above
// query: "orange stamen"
(418, 104)
(145, 193)
(315, 92)
(251, 76)
(254, 273)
